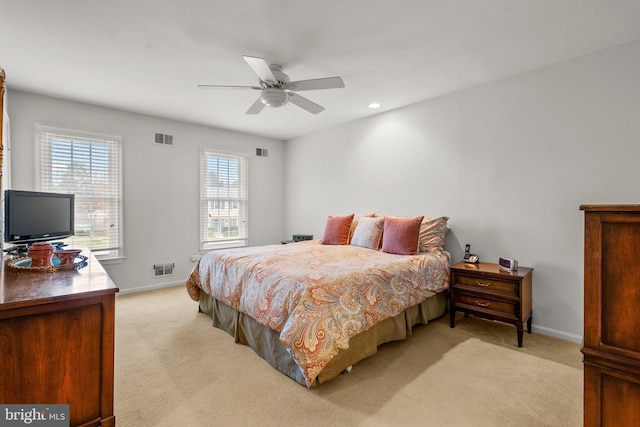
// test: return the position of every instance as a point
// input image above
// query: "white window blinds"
(89, 166)
(223, 200)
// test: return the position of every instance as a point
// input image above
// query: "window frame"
(109, 254)
(224, 203)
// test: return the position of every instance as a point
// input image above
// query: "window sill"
(214, 247)
(111, 260)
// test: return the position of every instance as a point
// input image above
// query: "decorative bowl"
(67, 256)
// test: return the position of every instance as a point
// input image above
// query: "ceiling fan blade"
(256, 107)
(261, 68)
(227, 87)
(305, 104)
(315, 84)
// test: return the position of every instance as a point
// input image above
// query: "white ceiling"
(148, 56)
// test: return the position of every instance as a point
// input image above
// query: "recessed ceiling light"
(374, 105)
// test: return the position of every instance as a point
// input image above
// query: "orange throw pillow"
(401, 235)
(336, 232)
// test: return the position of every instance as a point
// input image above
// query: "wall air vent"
(161, 270)
(262, 152)
(162, 139)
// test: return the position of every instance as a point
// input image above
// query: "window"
(89, 166)
(223, 200)
(218, 204)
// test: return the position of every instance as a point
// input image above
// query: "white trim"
(150, 287)
(43, 127)
(244, 153)
(567, 336)
(112, 260)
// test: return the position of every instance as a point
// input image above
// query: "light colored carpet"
(174, 369)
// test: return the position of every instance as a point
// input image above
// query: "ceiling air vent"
(262, 152)
(162, 139)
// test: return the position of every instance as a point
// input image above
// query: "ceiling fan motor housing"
(274, 97)
(282, 77)
(277, 89)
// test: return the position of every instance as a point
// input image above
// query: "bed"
(313, 310)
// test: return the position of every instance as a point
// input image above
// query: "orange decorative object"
(40, 254)
(67, 256)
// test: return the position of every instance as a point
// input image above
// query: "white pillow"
(368, 233)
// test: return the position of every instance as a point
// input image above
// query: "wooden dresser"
(488, 291)
(57, 340)
(611, 346)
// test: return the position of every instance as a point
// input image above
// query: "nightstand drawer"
(486, 290)
(487, 283)
(480, 303)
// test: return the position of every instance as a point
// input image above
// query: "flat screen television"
(32, 216)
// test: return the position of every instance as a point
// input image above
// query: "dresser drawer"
(491, 284)
(480, 303)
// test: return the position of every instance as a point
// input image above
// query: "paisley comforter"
(318, 296)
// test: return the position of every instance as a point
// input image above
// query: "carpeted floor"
(174, 369)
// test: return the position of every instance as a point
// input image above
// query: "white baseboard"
(556, 334)
(151, 287)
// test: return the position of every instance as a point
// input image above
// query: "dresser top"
(21, 288)
(490, 269)
(610, 208)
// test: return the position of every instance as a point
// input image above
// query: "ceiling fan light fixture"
(274, 97)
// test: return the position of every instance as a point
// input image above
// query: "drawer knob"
(479, 304)
(484, 285)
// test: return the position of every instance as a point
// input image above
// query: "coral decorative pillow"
(401, 235)
(336, 232)
(432, 233)
(368, 233)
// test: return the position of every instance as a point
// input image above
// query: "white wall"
(160, 184)
(509, 162)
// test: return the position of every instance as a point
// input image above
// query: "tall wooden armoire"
(611, 345)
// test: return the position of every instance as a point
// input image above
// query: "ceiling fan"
(276, 89)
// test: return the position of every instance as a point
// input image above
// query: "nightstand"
(488, 291)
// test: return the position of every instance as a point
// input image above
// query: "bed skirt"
(266, 342)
